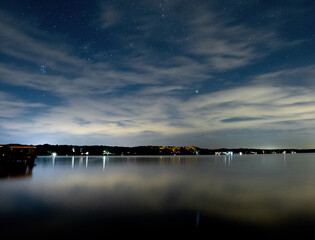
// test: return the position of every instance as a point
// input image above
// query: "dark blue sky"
(168, 72)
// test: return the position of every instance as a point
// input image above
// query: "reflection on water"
(16, 169)
(231, 195)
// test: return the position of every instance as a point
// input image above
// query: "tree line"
(47, 149)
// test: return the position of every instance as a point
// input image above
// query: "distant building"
(17, 153)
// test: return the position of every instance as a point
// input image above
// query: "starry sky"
(215, 73)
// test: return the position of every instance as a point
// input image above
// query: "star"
(43, 69)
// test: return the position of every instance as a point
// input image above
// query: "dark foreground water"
(248, 196)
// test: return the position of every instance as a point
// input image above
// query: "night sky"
(169, 72)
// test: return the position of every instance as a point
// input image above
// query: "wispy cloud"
(221, 46)
(225, 45)
(109, 16)
(289, 77)
(248, 107)
(142, 91)
(13, 107)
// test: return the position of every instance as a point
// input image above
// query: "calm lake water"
(248, 195)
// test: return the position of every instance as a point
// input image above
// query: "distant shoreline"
(73, 150)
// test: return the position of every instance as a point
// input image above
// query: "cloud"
(12, 107)
(109, 16)
(67, 73)
(266, 104)
(160, 89)
(250, 107)
(240, 119)
(301, 76)
(147, 90)
(225, 45)
(25, 42)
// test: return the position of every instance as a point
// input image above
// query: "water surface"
(265, 195)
